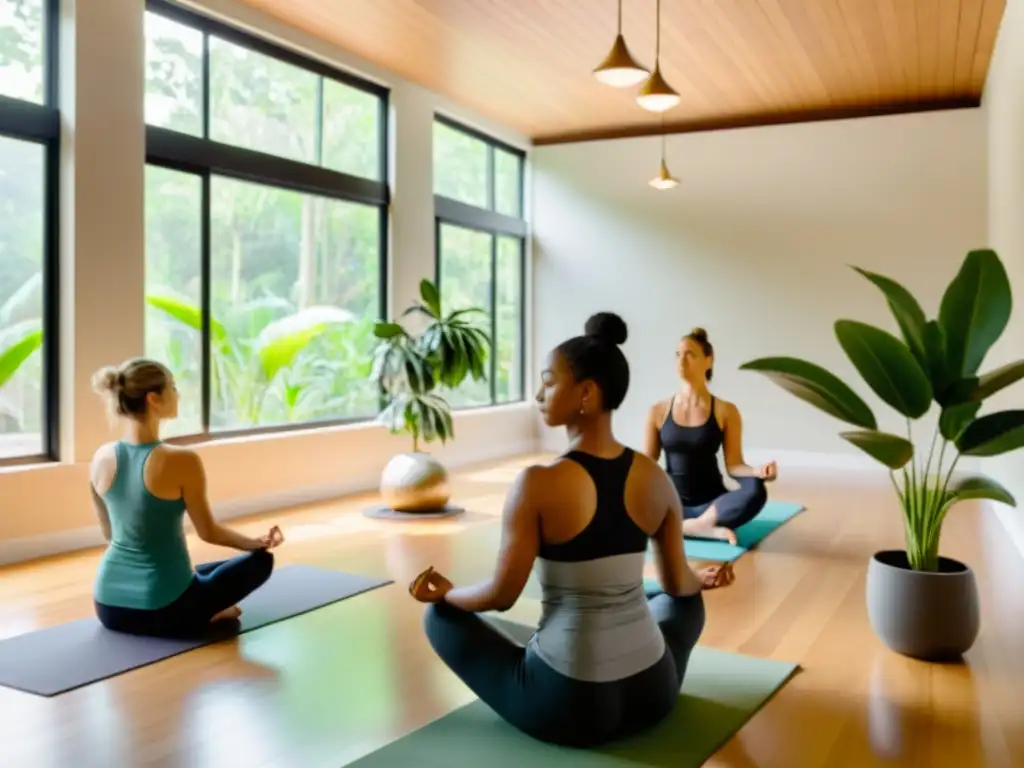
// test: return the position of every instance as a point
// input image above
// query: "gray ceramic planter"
(928, 616)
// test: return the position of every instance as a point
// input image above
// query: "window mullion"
(494, 320)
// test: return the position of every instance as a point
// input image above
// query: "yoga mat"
(721, 692)
(61, 658)
(774, 514)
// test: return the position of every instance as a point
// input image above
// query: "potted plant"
(409, 369)
(920, 603)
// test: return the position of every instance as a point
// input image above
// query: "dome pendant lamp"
(619, 69)
(664, 180)
(656, 95)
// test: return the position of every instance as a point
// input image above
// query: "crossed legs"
(720, 518)
(551, 707)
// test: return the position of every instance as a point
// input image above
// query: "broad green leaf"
(994, 434)
(387, 330)
(887, 366)
(975, 310)
(280, 341)
(188, 314)
(908, 313)
(959, 392)
(458, 314)
(999, 379)
(12, 358)
(981, 488)
(935, 354)
(954, 419)
(891, 450)
(431, 297)
(816, 386)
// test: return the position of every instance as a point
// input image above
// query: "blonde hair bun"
(107, 379)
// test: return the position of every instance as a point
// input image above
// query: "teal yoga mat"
(722, 691)
(774, 514)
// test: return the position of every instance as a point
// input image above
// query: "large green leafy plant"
(409, 368)
(261, 347)
(936, 360)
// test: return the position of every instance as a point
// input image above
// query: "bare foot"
(227, 614)
(704, 527)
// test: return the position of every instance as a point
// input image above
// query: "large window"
(266, 204)
(29, 158)
(478, 202)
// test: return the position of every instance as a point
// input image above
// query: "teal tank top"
(147, 565)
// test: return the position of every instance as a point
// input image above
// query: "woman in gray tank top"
(608, 657)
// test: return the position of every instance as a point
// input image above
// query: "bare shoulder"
(532, 485)
(659, 411)
(725, 409)
(648, 471)
(105, 458)
(104, 453)
(180, 458)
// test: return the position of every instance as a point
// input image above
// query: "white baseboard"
(62, 542)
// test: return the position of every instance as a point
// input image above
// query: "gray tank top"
(596, 625)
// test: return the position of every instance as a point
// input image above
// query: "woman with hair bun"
(609, 657)
(141, 489)
(691, 427)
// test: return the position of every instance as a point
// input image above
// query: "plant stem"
(931, 452)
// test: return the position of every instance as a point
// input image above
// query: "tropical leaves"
(247, 364)
(933, 360)
(409, 368)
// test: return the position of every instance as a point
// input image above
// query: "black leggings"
(215, 587)
(549, 706)
(734, 508)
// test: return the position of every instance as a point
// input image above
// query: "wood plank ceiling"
(527, 63)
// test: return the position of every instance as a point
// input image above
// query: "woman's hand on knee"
(273, 538)
(714, 576)
(430, 586)
(768, 472)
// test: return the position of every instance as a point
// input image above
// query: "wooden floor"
(325, 688)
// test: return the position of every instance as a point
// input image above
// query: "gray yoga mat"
(59, 659)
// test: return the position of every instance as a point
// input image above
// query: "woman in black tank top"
(691, 430)
(609, 655)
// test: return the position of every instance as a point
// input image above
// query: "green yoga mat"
(722, 691)
(774, 514)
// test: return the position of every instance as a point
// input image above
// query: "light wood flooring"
(325, 688)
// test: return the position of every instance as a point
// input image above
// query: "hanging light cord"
(657, 34)
(620, 16)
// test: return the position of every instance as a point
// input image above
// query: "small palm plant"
(936, 360)
(409, 368)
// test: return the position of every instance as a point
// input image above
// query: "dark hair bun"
(607, 326)
(699, 334)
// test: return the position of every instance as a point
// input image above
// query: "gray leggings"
(551, 707)
(735, 508)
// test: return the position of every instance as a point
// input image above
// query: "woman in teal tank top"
(141, 489)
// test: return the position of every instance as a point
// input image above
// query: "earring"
(583, 409)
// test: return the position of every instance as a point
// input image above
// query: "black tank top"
(611, 531)
(691, 458)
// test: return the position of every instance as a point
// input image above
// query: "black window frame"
(206, 158)
(497, 225)
(41, 124)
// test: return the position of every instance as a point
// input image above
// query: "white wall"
(754, 246)
(47, 508)
(1003, 104)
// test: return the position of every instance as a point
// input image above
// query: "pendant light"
(664, 180)
(619, 69)
(656, 95)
